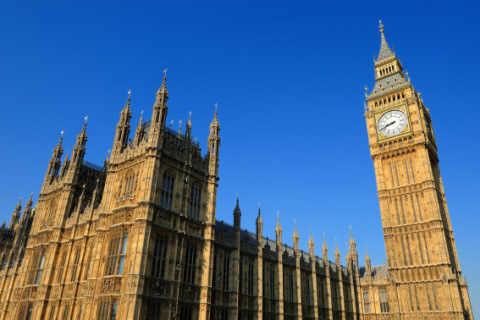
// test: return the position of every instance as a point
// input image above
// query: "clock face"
(391, 123)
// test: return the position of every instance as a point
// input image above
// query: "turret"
(28, 208)
(296, 238)
(337, 254)
(324, 249)
(16, 214)
(79, 149)
(237, 214)
(139, 132)
(368, 264)
(214, 145)
(311, 245)
(259, 223)
(123, 127)
(55, 160)
(188, 130)
(278, 230)
(160, 108)
(353, 250)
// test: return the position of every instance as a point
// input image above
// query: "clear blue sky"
(289, 80)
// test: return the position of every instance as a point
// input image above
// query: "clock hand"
(388, 125)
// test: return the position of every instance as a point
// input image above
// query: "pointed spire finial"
(129, 93)
(380, 26)
(86, 118)
(165, 72)
(62, 132)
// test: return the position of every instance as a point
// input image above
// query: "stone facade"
(137, 238)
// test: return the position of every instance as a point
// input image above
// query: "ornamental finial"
(165, 72)
(86, 118)
(380, 26)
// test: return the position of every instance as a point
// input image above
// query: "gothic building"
(137, 238)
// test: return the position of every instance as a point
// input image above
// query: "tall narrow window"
(190, 263)
(383, 295)
(226, 271)
(194, 210)
(250, 277)
(75, 265)
(166, 194)
(272, 281)
(36, 268)
(366, 302)
(61, 267)
(116, 255)
(159, 257)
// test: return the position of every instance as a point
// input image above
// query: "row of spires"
(352, 255)
(159, 114)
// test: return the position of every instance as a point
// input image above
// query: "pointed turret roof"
(18, 207)
(310, 239)
(82, 136)
(296, 237)
(162, 93)
(385, 51)
(259, 217)
(30, 201)
(278, 228)
(58, 148)
(237, 208)
(189, 122)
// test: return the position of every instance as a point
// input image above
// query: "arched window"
(194, 209)
(35, 271)
(40, 267)
(166, 194)
(159, 256)
(116, 255)
(129, 184)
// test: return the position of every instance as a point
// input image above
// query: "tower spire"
(16, 214)
(79, 148)
(159, 112)
(296, 237)
(385, 51)
(55, 161)
(123, 126)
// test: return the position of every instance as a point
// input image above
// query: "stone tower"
(421, 253)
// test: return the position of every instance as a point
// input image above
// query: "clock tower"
(421, 254)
